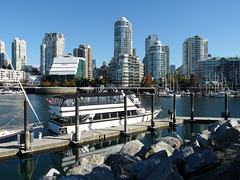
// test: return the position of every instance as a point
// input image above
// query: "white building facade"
(2, 52)
(194, 49)
(125, 68)
(156, 60)
(53, 45)
(19, 54)
(8, 76)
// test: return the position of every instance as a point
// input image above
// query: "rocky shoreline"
(212, 154)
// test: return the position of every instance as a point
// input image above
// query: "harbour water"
(11, 109)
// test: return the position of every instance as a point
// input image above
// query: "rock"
(200, 161)
(74, 177)
(203, 138)
(225, 136)
(159, 147)
(165, 170)
(172, 139)
(80, 170)
(122, 166)
(95, 159)
(213, 127)
(131, 148)
(162, 153)
(51, 175)
(53, 172)
(111, 158)
(143, 169)
(102, 172)
(195, 145)
(155, 168)
(80, 162)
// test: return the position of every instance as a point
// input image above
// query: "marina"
(50, 143)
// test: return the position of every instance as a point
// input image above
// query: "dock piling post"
(174, 109)
(192, 107)
(152, 127)
(226, 107)
(26, 126)
(77, 120)
(124, 132)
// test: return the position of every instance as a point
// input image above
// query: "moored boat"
(96, 111)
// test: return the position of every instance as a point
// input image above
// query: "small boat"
(96, 111)
(7, 136)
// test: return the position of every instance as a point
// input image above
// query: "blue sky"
(92, 22)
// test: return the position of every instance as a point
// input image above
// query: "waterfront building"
(2, 52)
(53, 45)
(67, 67)
(125, 68)
(194, 49)
(94, 62)
(8, 76)
(85, 51)
(19, 54)
(156, 60)
(172, 68)
(102, 72)
(221, 69)
(122, 37)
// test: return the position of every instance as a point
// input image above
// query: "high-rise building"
(19, 56)
(53, 45)
(156, 60)
(122, 37)
(2, 52)
(125, 68)
(94, 62)
(166, 50)
(172, 68)
(194, 49)
(85, 51)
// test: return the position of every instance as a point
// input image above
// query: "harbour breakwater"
(211, 154)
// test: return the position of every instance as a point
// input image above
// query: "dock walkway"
(49, 143)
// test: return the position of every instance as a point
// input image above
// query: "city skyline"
(173, 22)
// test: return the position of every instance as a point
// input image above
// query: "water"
(11, 107)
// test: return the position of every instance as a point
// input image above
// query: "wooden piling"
(77, 138)
(174, 108)
(26, 126)
(192, 107)
(226, 107)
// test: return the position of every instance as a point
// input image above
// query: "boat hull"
(57, 128)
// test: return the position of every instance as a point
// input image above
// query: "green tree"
(72, 83)
(9, 67)
(65, 83)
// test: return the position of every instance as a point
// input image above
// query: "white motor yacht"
(96, 111)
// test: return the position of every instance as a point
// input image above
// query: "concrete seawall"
(50, 90)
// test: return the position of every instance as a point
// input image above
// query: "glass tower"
(122, 37)
(194, 49)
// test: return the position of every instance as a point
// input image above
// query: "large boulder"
(172, 139)
(143, 169)
(51, 175)
(132, 148)
(225, 136)
(160, 146)
(102, 172)
(121, 168)
(80, 170)
(111, 158)
(200, 161)
(203, 138)
(156, 167)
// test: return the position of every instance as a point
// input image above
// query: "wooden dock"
(51, 143)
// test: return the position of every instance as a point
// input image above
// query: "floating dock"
(50, 143)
